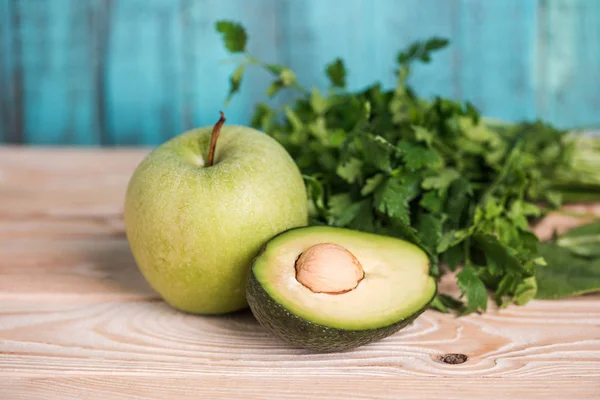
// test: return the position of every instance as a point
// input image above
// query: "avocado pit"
(328, 268)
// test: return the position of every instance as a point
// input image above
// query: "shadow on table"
(113, 263)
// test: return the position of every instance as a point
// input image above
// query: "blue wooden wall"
(125, 72)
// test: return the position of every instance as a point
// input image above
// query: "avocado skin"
(299, 332)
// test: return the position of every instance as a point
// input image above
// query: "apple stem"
(213, 139)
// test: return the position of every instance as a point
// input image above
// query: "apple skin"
(194, 230)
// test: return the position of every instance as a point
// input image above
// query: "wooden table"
(77, 320)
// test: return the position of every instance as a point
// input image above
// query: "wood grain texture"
(206, 65)
(80, 182)
(11, 74)
(56, 57)
(498, 58)
(142, 71)
(368, 36)
(330, 388)
(120, 72)
(569, 62)
(77, 319)
(89, 336)
(5, 67)
(396, 25)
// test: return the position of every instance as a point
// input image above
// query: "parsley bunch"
(433, 172)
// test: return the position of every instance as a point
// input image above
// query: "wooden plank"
(165, 71)
(368, 36)
(41, 338)
(142, 70)
(67, 182)
(59, 57)
(325, 387)
(497, 51)
(62, 258)
(397, 24)
(11, 74)
(569, 62)
(123, 72)
(317, 33)
(77, 319)
(64, 183)
(205, 72)
(5, 66)
(561, 222)
(72, 261)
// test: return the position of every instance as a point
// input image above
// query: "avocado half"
(393, 289)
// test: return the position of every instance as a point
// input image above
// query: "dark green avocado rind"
(299, 332)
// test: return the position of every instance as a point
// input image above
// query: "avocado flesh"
(395, 290)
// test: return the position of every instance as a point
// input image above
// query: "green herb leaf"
(342, 210)
(444, 303)
(275, 69)
(422, 50)
(429, 228)
(235, 82)
(317, 102)
(234, 36)
(392, 197)
(432, 201)
(434, 172)
(336, 71)
(423, 135)
(583, 240)
(351, 170)
(525, 291)
(316, 196)
(287, 77)
(372, 184)
(436, 43)
(497, 255)
(376, 151)
(473, 288)
(263, 117)
(417, 156)
(566, 273)
(442, 181)
(274, 88)
(364, 220)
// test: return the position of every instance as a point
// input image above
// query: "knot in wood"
(454, 358)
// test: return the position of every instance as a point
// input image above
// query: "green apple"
(194, 226)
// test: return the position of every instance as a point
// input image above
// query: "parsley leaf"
(336, 71)
(436, 173)
(234, 36)
(417, 156)
(566, 274)
(583, 240)
(342, 210)
(473, 288)
(429, 228)
(235, 82)
(422, 50)
(573, 263)
(351, 170)
(393, 196)
(372, 184)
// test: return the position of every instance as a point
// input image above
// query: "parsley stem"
(513, 155)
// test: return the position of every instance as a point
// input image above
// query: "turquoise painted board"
(56, 58)
(497, 57)
(569, 62)
(129, 72)
(8, 113)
